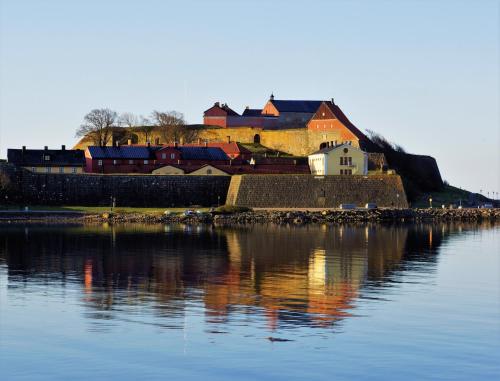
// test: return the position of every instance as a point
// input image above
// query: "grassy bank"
(101, 209)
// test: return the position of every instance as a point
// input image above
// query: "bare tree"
(127, 119)
(147, 127)
(173, 127)
(98, 126)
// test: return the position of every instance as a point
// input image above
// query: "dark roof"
(296, 106)
(218, 108)
(36, 157)
(202, 153)
(122, 152)
(252, 112)
(331, 148)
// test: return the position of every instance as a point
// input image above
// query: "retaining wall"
(307, 191)
(129, 190)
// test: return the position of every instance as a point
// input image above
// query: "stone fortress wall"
(129, 190)
(265, 191)
(296, 141)
(307, 191)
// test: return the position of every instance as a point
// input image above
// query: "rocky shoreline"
(264, 216)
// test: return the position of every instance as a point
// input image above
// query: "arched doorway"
(256, 138)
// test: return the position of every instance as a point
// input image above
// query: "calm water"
(189, 303)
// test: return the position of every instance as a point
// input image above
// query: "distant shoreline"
(281, 217)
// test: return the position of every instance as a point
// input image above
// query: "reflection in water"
(284, 277)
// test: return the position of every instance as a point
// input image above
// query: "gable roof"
(121, 152)
(231, 148)
(202, 153)
(36, 157)
(220, 110)
(339, 114)
(296, 106)
(332, 148)
(252, 112)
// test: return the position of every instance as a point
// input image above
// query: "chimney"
(157, 141)
(24, 149)
(46, 148)
(333, 102)
(206, 143)
(217, 104)
(117, 143)
(63, 147)
(271, 98)
(199, 141)
(149, 144)
(129, 142)
(229, 139)
(176, 144)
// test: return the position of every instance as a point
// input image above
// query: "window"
(99, 163)
(115, 162)
(209, 171)
(73, 170)
(48, 170)
(341, 161)
(172, 155)
(131, 162)
(61, 170)
(33, 169)
(349, 161)
(46, 157)
(163, 155)
(146, 161)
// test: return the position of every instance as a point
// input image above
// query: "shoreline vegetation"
(236, 216)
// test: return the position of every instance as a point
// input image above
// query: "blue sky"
(422, 73)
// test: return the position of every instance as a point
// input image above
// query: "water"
(374, 302)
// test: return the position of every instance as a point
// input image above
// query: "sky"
(424, 74)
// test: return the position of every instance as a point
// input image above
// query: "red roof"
(339, 114)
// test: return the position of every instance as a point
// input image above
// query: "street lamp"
(430, 202)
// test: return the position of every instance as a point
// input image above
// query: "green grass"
(103, 209)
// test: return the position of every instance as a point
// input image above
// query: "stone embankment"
(269, 216)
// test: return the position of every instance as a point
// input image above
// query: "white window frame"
(99, 163)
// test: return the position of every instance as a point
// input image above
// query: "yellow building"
(343, 159)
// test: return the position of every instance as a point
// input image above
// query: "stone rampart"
(307, 191)
(129, 190)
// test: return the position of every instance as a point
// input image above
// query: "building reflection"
(288, 276)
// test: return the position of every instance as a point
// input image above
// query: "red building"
(329, 117)
(223, 116)
(144, 159)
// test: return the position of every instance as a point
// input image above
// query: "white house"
(343, 159)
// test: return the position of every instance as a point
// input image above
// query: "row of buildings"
(207, 159)
(317, 136)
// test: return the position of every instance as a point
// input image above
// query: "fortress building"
(297, 127)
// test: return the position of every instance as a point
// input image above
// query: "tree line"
(99, 126)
